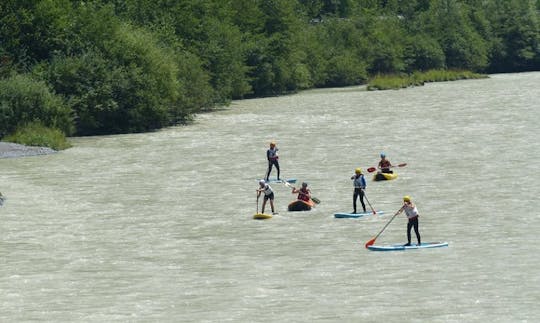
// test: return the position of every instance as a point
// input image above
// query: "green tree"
(25, 100)
(516, 29)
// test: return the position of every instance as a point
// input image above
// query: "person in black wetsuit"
(272, 156)
(359, 183)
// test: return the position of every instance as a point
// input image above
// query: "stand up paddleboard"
(400, 247)
(262, 216)
(275, 180)
(355, 215)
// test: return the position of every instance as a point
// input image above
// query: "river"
(158, 227)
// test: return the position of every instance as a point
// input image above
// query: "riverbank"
(394, 82)
(12, 150)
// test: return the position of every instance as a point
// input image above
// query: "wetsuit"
(359, 186)
(271, 155)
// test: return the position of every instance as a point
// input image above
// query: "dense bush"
(24, 100)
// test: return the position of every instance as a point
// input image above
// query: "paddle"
(257, 212)
(372, 241)
(372, 209)
(372, 169)
(314, 199)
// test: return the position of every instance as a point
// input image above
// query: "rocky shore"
(11, 150)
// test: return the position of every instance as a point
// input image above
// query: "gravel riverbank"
(11, 150)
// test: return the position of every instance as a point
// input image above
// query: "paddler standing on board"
(412, 215)
(272, 156)
(268, 195)
(384, 164)
(359, 183)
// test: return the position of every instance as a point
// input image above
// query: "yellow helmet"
(358, 170)
(406, 198)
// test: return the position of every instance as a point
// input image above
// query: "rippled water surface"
(158, 226)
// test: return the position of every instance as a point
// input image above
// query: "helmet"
(262, 182)
(358, 170)
(383, 155)
(304, 184)
(406, 198)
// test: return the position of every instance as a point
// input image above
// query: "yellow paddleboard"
(262, 216)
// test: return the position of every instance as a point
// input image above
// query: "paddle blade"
(371, 169)
(370, 242)
(402, 165)
(316, 200)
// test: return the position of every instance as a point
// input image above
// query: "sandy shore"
(11, 150)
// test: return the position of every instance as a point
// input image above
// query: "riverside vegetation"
(110, 66)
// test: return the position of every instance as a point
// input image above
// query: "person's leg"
(362, 200)
(355, 195)
(264, 204)
(272, 205)
(269, 170)
(409, 227)
(415, 224)
(276, 163)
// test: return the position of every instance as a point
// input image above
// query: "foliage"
(388, 82)
(136, 65)
(24, 100)
(36, 134)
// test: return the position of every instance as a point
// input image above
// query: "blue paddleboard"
(399, 247)
(355, 215)
(275, 180)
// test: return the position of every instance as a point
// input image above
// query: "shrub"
(24, 100)
(36, 134)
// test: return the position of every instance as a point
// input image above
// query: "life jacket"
(303, 194)
(271, 153)
(385, 163)
(267, 190)
(411, 212)
(359, 181)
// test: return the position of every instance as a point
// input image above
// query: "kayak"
(262, 216)
(275, 180)
(301, 205)
(355, 215)
(384, 176)
(396, 247)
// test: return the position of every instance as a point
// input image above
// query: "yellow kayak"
(384, 176)
(262, 216)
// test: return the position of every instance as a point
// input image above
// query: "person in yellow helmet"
(412, 215)
(359, 183)
(272, 156)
